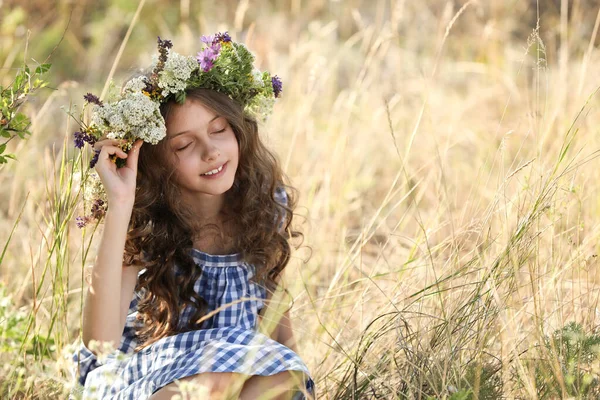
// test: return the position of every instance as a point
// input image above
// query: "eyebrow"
(186, 131)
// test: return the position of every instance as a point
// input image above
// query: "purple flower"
(149, 88)
(163, 50)
(83, 137)
(216, 48)
(90, 98)
(277, 85)
(213, 44)
(79, 139)
(205, 62)
(207, 57)
(207, 39)
(89, 138)
(81, 221)
(94, 159)
(165, 44)
(98, 209)
(223, 37)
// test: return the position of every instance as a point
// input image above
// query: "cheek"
(233, 147)
(236, 149)
(186, 167)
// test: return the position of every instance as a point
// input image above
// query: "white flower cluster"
(258, 77)
(135, 114)
(178, 69)
(135, 85)
(260, 106)
(93, 189)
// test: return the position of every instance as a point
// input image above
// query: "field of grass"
(445, 156)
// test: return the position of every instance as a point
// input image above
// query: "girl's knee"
(215, 384)
(279, 386)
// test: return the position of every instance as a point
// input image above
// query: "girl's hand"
(119, 183)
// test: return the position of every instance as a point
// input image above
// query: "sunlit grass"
(446, 164)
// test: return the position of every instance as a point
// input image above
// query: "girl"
(194, 243)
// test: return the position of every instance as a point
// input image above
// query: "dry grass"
(445, 154)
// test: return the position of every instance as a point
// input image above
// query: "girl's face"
(203, 148)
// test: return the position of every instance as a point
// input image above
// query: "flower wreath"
(222, 65)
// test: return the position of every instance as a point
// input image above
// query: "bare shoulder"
(132, 269)
(129, 276)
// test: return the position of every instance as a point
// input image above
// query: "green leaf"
(11, 98)
(180, 97)
(42, 69)
(39, 83)
(463, 394)
(18, 81)
(20, 122)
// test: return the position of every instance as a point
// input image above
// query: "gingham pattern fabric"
(227, 342)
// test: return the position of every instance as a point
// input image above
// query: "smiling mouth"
(214, 171)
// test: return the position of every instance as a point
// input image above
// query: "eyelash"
(184, 147)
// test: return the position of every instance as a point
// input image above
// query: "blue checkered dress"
(227, 342)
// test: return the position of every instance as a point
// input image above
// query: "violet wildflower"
(98, 209)
(81, 221)
(207, 57)
(166, 44)
(79, 139)
(207, 39)
(277, 85)
(223, 37)
(94, 159)
(205, 61)
(149, 88)
(90, 98)
(163, 50)
(83, 137)
(89, 138)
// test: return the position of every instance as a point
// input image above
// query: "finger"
(114, 142)
(109, 150)
(105, 166)
(134, 154)
(101, 143)
(110, 141)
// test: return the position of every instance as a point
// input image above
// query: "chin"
(217, 188)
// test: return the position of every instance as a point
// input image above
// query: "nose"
(211, 153)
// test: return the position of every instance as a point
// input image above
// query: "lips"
(216, 172)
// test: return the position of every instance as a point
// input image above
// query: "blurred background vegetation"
(445, 154)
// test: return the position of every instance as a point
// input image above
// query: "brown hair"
(160, 232)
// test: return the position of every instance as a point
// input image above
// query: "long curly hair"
(161, 229)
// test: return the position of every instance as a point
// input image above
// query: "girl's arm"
(284, 332)
(112, 284)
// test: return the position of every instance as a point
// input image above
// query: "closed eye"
(187, 145)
